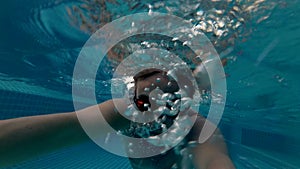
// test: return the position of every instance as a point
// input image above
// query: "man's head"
(150, 79)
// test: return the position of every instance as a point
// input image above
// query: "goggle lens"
(142, 102)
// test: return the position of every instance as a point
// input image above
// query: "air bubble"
(160, 102)
(200, 13)
(164, 110)
(176, 105)
(167, 96)
(164, 127)
(180, 93)
(186, 103)
(143, 132)
(129, 111)
(164, 118)
(155, 140)
(158, 80)
(221, 24)
(173, 112)
(130, 151)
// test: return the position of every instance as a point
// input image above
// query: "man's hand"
(220, 161)
(212, 154)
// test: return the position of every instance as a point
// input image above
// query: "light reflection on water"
(55, 30)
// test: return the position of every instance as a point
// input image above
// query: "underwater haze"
(257, 40)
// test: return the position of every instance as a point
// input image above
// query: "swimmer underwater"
(27, 137)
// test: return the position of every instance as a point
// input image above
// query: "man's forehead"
(157, 80)
(148, 73)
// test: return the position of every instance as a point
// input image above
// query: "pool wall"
(249, 146)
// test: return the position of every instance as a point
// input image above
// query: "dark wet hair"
(147, 73)
(153, 71)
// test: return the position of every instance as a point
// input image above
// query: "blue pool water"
(41, 40)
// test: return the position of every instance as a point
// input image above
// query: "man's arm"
(22, 138)
(212, 154)
(26, 137)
